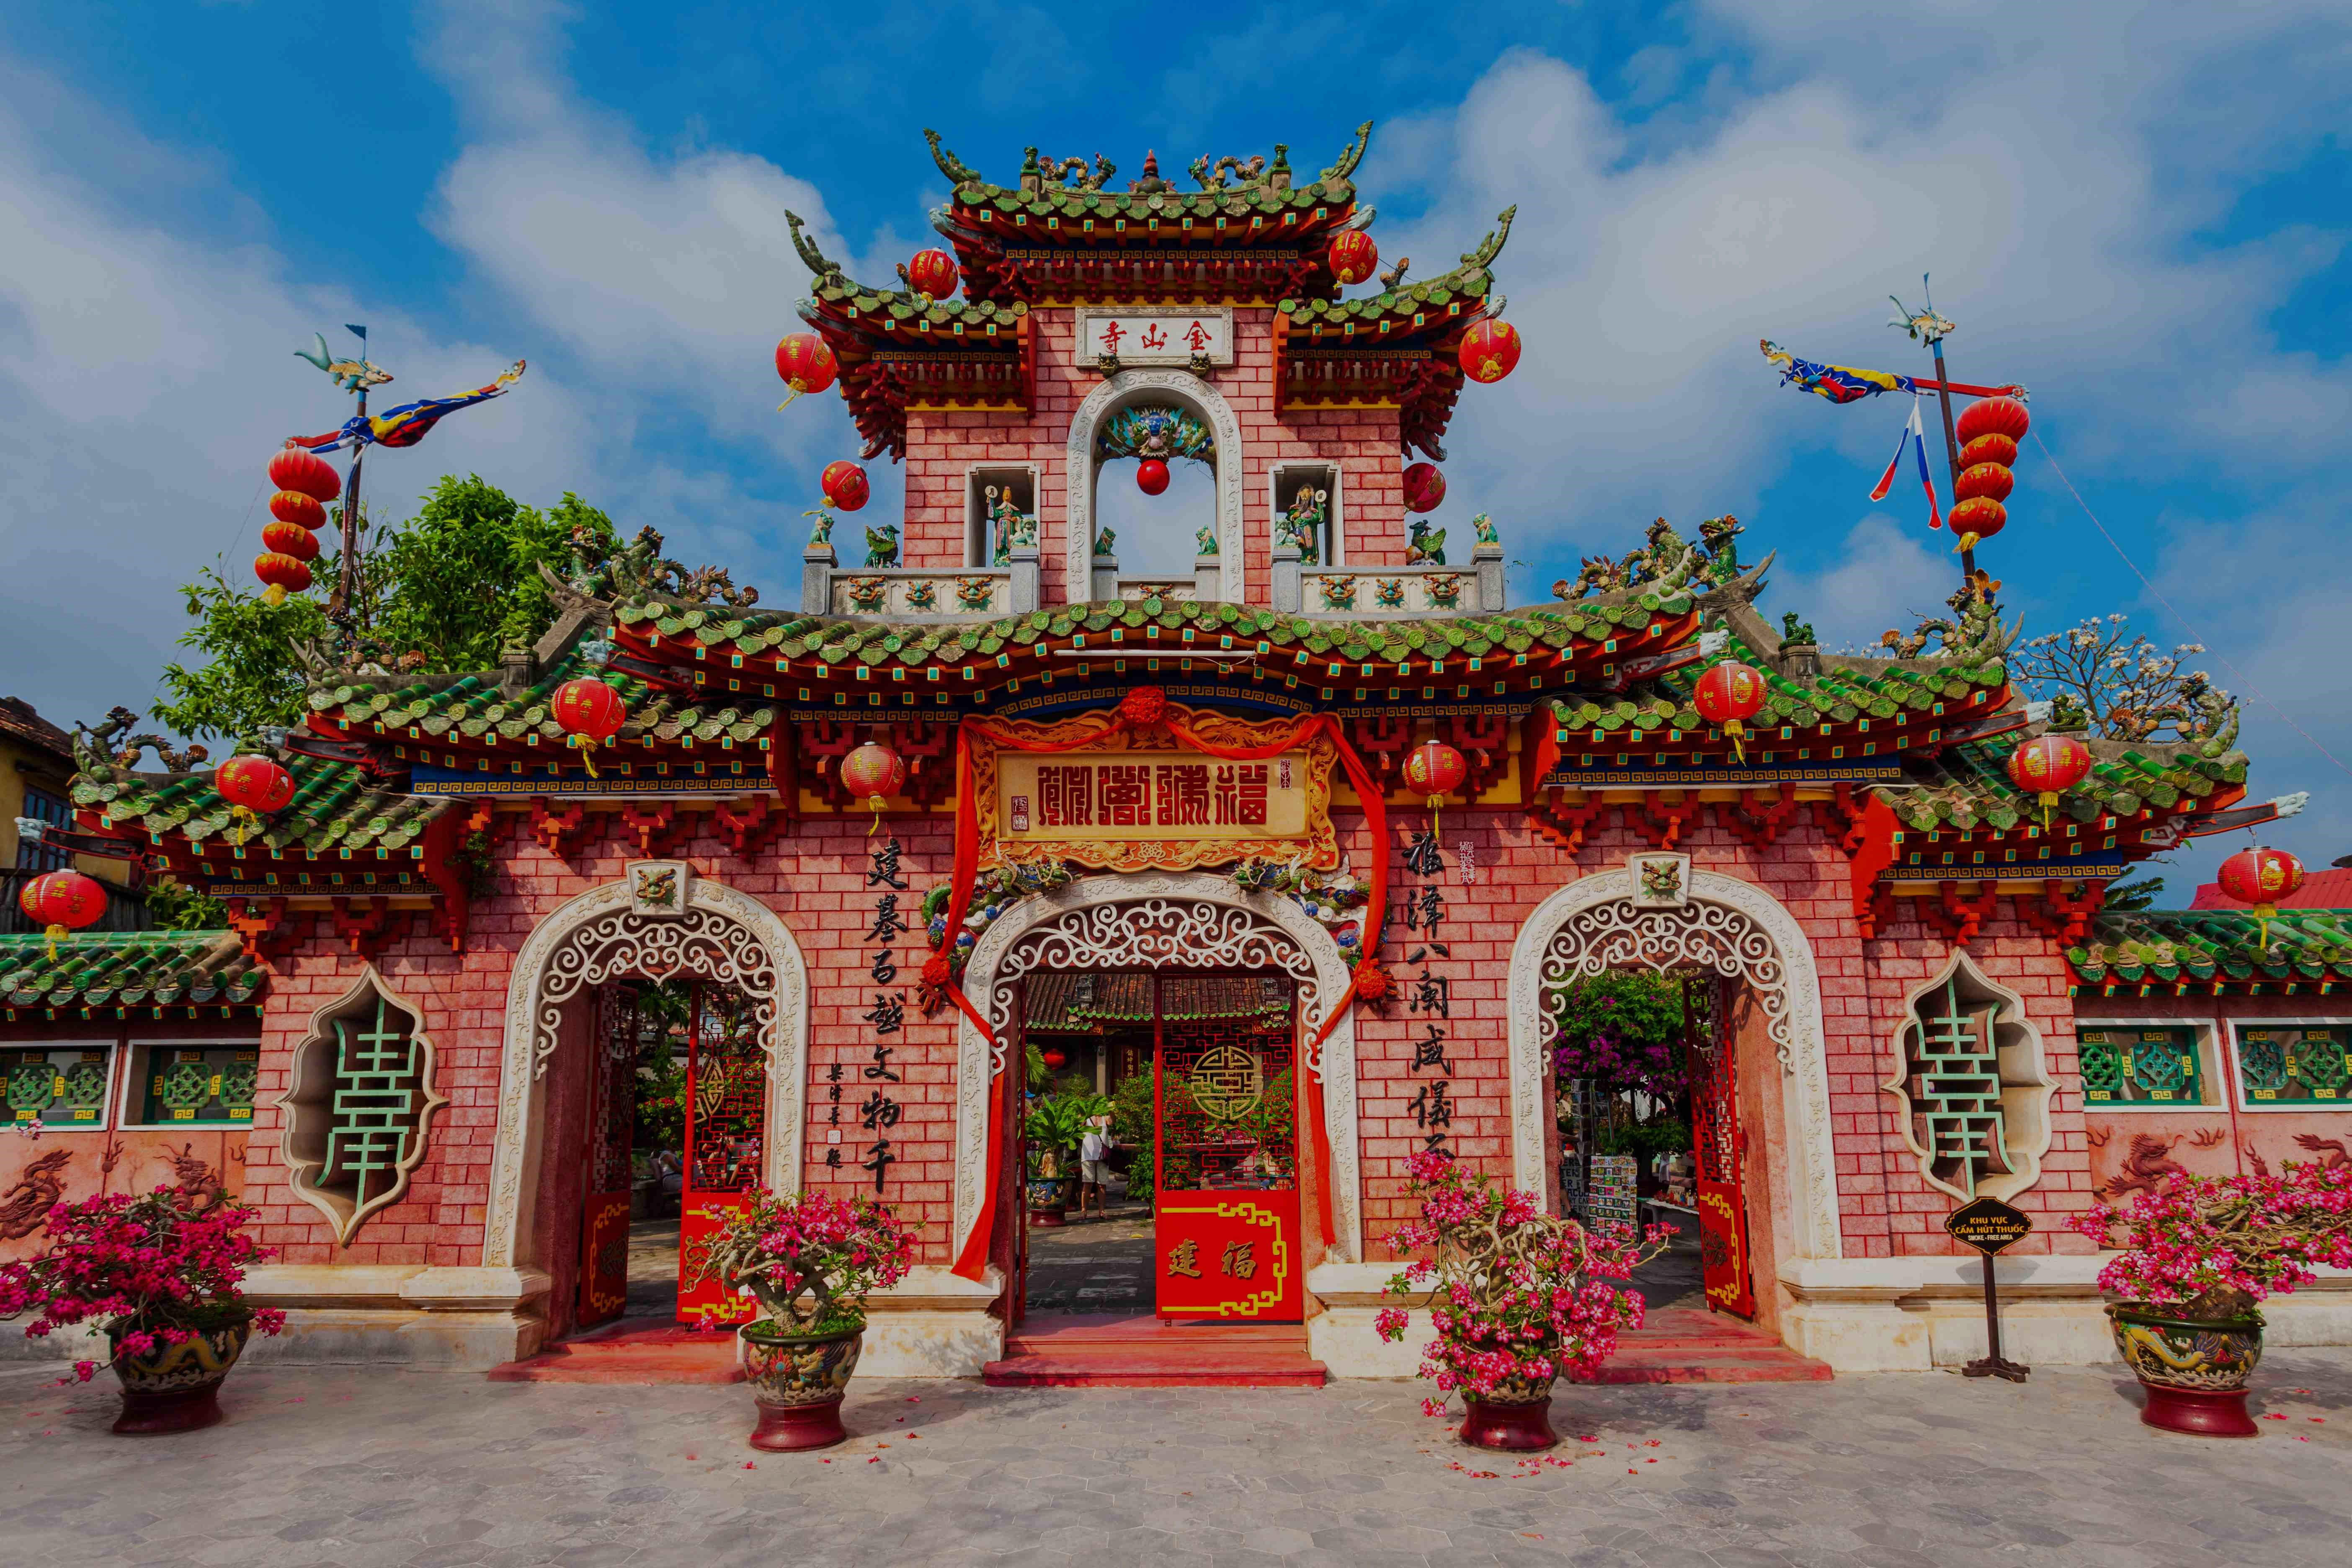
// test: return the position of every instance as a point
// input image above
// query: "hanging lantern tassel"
(587, 745)
(243, 822)
(1733, 731)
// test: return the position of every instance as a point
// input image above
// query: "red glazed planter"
(2195, 1373)
(799, 1382)
(1515, 1418)
(177, 1388)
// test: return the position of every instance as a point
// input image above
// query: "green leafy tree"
(461, 581)
(249, 677)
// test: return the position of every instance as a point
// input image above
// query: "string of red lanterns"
(305, 484)
(1728, 695)
(1989, 431)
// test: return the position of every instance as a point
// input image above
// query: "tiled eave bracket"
(1659, 743)
(2213, 952)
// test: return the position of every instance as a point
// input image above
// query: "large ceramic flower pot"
(1049, 1199)
(1515, 1417)
(798, 1380)
(176, 1388)
(2195, 1373)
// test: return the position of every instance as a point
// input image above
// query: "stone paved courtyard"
(322, 1466)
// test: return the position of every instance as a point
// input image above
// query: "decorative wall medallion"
(1661, 881)
(359, 1104)
(657, 888)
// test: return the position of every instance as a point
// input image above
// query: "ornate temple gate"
(1721, 1147)
(1226, 1239)
(726, 1137)
(612, 1132)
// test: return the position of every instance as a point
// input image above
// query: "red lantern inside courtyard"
(2261, 877)
(1151, 476)
(1054, 1060)
(254, 786)
(303, 471)
(1490, 351)
(1354, 257)
(1424, 488)
(806, 364)
(2049, 766)
(871, 773)
(932, 272)
(284, 574)
(1728, 696)
(62, 901)
(591, 713)
(1435, 770)
(844, 487)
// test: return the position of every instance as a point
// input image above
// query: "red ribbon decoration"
(972, 1262)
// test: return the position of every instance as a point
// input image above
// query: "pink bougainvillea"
(1516, 1295)
(2215, 1245)
(809, 1258)
(156, 1268)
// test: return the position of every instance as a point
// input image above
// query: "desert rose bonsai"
(2199, 1253)
(163, 1274)
(1517, 1298)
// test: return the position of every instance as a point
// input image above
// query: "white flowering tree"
(2104, 678)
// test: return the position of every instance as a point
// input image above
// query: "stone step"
(1099, 1351)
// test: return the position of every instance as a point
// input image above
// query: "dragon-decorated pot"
(798, 1380)
(1515, 1417)
(176, 1388)
(2195, 1371)
(1049, 1199)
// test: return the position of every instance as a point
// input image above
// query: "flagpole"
(347, 579)
(1951, 450)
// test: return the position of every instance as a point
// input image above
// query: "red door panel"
(612, 1119)
(726, 1127)
(1725, 1271)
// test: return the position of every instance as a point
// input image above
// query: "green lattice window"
(2141, 1065)
(1975, 1095)
(60, 1087)
(2300, 1064)
(199, 1086)
(358, 1110)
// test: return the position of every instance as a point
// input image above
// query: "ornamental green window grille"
(1975, 1097)
(2300, 1064)
(2142, 1066)
(358, 1110)
(198, 1086)
(57, 1086)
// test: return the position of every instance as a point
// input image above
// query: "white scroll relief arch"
(1191, 920)
(1125, 389)
(1729, 927)
(725, 936)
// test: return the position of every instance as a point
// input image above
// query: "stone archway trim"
(724, 935)
(1086, 923)
(1078, 582)
(1732, 927)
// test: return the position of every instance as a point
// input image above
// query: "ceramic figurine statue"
(1103, 539)
(1302, 525)
(822, 532)
(882, 545)
(1427, 547)
(1485, 527)
(1205, 540)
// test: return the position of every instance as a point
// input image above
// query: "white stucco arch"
(1121, 391)
(1092, 924)
(1731, 926)
(722, 934)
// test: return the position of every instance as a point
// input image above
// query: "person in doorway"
(1094, 1170)
(669, 1172)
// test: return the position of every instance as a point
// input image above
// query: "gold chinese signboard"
(1127, 801)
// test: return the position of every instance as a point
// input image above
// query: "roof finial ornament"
(1151, 182)
(953, 167)
(810, 257)
(1352, 155)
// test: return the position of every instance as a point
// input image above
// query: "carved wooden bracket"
(1661, 825)
(264, 926)
(2055, 914)
(826, 742)
(1381, 741)
(364, 922)
(929, 752)
(1841, 817)
(1484, 741)
(658, 826)
(1564, 825)
(1760, 818)
(562, 831)
(1955, 917)
(746, 829)
(1877, 912)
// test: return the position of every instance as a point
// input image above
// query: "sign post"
(1989, 1226)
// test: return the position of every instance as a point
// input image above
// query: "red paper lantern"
(805, 364)
(1994, 416)
(289, 539)
(284, 574)
(873, 772)
(63, 903)
(1993, 448)
(1354, 257)
(591, 713)
(303, 471)
(1424, 488)
(1054, 1060)
(2049, 766)
(843, 484)
(1490, 351)
(1990, 481)
(303, 510)
(1437, 770)
(1977, 519)
(254, 786)
(1151, 476)
(932, 272)
(1728, 695)
(2261, 877)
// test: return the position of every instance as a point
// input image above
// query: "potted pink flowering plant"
(162, 1274)
(2198, 1254)
(1518, 1299)
(811, 1259)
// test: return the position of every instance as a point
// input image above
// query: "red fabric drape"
(972, 1262)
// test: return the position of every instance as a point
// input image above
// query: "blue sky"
(2139, 213)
